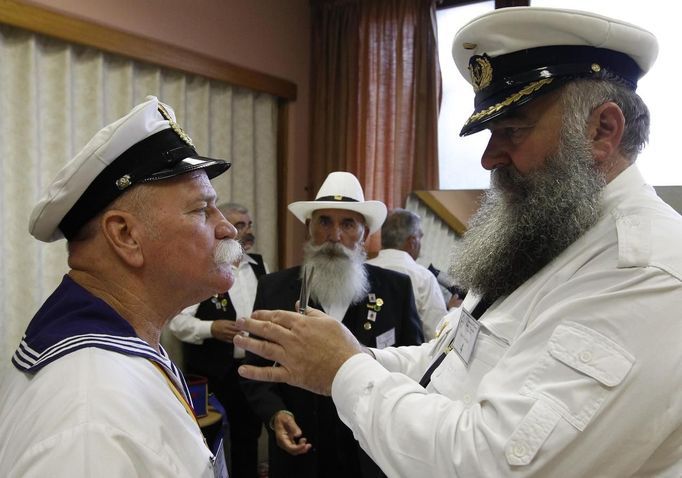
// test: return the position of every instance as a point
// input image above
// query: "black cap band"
(158, 153)
(336, 198)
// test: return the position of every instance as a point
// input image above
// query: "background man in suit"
(207, 330)
(376, 305)
(401, 243)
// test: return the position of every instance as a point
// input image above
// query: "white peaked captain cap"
(513, 55)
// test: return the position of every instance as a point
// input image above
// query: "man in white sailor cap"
(307, 439)
(92, 392)
(564, 358)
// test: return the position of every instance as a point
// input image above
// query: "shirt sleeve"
(186, 327)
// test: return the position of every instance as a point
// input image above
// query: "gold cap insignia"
(175, 127)
(123, 182)
(481, 72)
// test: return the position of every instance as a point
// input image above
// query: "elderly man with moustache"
(572, 368)
(376, 305)
(92, 392)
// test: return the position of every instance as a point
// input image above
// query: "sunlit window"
(660, 162)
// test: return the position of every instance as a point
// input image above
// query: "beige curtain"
(55, 96)
(375, 94)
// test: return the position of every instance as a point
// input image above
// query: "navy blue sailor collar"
(72, 319)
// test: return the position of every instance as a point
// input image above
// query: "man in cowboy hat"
(307, 438)
(92, 392)
(574, 271)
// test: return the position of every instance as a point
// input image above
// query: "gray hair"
(399, 225)
(233, 207)
(582, 96)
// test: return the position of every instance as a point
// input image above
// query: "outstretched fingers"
(264, 374)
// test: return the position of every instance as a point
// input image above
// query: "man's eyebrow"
(509, 118)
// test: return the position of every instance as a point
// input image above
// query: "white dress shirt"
(189, 328)
(427, 294)
(574, 374)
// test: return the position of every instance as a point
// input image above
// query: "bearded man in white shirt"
(207, 330)
(574, 272)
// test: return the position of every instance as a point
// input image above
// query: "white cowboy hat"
(342, 190)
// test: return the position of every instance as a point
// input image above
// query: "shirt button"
(519, 450)
(466, 398)
(367, 326)
(585, 356)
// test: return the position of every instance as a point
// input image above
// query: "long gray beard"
(526, 221)
(339, 276)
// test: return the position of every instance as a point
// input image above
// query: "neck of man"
(130, 301)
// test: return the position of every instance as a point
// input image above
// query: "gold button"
(368, 325)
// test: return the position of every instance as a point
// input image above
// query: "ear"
(123, 232)
(606, 126)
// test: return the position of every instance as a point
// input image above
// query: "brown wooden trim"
(511, 3)
(283, 109)
(441, 211)
(74, 30)
(443, 4)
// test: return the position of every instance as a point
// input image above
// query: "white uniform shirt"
(427, 294)
(97, 413)
(575, 374)
(186, 327)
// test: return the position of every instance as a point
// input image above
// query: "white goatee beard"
(340, 276)
(227, 251)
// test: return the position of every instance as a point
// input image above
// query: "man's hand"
(309, 349)
(224, 330)
(455, 301)
(288, 434)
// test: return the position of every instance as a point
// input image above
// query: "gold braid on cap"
(181, 132)
(527, 90)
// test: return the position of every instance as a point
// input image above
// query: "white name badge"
(386, 339)
(465, 336)
(219, 464)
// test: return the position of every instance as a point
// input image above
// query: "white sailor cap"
(145, 145)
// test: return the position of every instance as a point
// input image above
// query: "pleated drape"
(375, 92)
(54, 96)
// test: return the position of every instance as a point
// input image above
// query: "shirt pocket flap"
(590, 353)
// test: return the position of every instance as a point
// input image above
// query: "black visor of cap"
(159, 156)
(509, 81)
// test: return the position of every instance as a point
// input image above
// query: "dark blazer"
(214, 358)
(335, 452)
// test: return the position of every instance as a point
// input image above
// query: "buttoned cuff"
(354, 380)
(203, 329)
